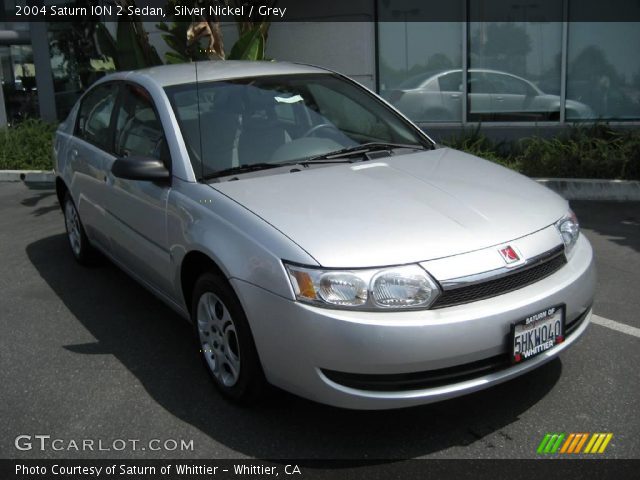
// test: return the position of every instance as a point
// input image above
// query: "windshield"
(270, 120)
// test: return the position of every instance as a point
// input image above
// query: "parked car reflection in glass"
(493, 96)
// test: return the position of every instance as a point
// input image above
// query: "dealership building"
(534, 67)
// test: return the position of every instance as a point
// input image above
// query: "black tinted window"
(508, 85)
(138, 128)
(479, 83)
(278, 119)
(95, 115)
(451, 82)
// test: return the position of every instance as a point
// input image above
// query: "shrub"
(27, 145)
(596, 151)
(481, 146)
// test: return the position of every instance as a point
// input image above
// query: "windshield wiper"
(363, 148)
(261, 166)
(242, 169)
(336, 156)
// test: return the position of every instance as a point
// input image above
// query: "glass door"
(18, 79)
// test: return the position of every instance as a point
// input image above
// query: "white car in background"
(493, 95)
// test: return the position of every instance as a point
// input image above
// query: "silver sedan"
(492, 95)
(318, 240)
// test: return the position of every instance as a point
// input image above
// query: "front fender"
(244, 246)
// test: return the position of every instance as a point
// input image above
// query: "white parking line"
(619, 327)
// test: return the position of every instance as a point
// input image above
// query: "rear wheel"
(225, 340)
(82, 250)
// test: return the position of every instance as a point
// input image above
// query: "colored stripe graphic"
(591, 442)
(572, 443)
(551, 443)
(605, 443)
(557, 444)
(598, 443)
(568, 442)
(582, 441)
(543, 443)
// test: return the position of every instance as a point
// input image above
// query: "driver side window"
(347, 115)
(138, 128)
(94, 117)
(509, 86)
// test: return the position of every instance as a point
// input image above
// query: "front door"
(137, 209)
(89, 153)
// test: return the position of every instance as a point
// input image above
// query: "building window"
(514, 68)
(18, 79)
(603, 71)
(538, 63)
(419, 65)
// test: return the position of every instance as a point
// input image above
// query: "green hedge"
(27, 146)
(580, 152)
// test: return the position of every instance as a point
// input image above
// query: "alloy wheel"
(72, 223)
(218, 339)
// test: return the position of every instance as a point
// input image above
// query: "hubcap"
(218, 339)
(72, 223)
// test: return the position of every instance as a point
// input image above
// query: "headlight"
(402, 287)
(569, 229)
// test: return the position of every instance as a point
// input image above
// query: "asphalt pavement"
(88, 354)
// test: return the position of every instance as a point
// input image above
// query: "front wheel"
(82, 250)
(225, 340)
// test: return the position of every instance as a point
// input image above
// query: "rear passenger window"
(451, 82)
(95, 115)
(138, 128)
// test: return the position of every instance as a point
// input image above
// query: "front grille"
(513, 281)
(419, 380)
(573, 325)
(434, 378)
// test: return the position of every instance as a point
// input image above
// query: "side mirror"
(140, 168)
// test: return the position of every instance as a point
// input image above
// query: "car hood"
(400, 209)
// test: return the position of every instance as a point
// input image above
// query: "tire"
(81, 249)
(225, 341)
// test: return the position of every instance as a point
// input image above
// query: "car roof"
(165, 75)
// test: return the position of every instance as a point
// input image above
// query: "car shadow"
(40, 198)
(619, 222)
(157, 346)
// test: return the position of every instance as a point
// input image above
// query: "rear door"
(137, 209)
(481, 93)
(90, 155)
(511, 98)
(450, 87)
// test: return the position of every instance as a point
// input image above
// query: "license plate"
(537, 333)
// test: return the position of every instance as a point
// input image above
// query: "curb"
(569, 188)
(31, 178)
(594, 189)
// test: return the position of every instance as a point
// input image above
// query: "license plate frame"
(525, 331)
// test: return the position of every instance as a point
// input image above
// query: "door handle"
(108, 179)
(455, 95)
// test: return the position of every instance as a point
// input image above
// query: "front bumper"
(297, 342)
